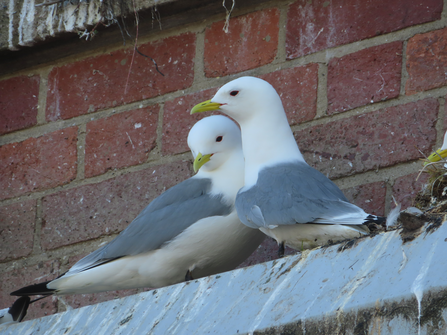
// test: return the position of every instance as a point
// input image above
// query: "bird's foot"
(188, 276)
(281, 250)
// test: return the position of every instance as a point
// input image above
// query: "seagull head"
(213, 141)
(266, 135)
(242, 99)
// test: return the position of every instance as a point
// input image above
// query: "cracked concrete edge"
(27, 22)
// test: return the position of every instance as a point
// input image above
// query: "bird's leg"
(188, 276)
(66, 305)
(281, 250)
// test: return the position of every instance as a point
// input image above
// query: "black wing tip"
(379, 220)
(19, 308)
(36, 289)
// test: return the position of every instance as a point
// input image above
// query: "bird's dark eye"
(234, 93)
(219, 138)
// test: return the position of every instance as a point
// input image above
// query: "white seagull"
(190, 231)
(283, 196)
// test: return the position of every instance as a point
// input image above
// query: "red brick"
(38, 163)
(18, 278)
(370, 197)
(298, 90)
(426, 61)
(364, 77)
(177, 122)
(120, 140)
(90, 211)
(100, 82)
(320, 24)
(407, 187)
(251, 41)
(18, 103)
(372, 140)
(17, 229)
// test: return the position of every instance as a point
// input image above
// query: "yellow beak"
(200, 161)
(437, 155)
(205, 106)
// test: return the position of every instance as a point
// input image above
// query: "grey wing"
(293, 193)
(161, 221)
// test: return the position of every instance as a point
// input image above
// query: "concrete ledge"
(30, 21)
(374, 285)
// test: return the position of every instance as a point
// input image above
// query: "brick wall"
(89, 141)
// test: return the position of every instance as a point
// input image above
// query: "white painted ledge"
(370, 287)
(27, 22)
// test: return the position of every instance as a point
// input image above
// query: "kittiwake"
(190, 231)
(283, 196)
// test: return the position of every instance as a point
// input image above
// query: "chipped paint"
(11, 11)
(418, 285)
(29, 22)
(26, 22)
(378, 285)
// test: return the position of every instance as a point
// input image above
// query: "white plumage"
(191, 230)
(282, 195)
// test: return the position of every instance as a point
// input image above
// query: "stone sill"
(375, 285)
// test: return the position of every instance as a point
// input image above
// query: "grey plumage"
(291, 193)
(283, 196)
(184, 204)
(191, 230)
